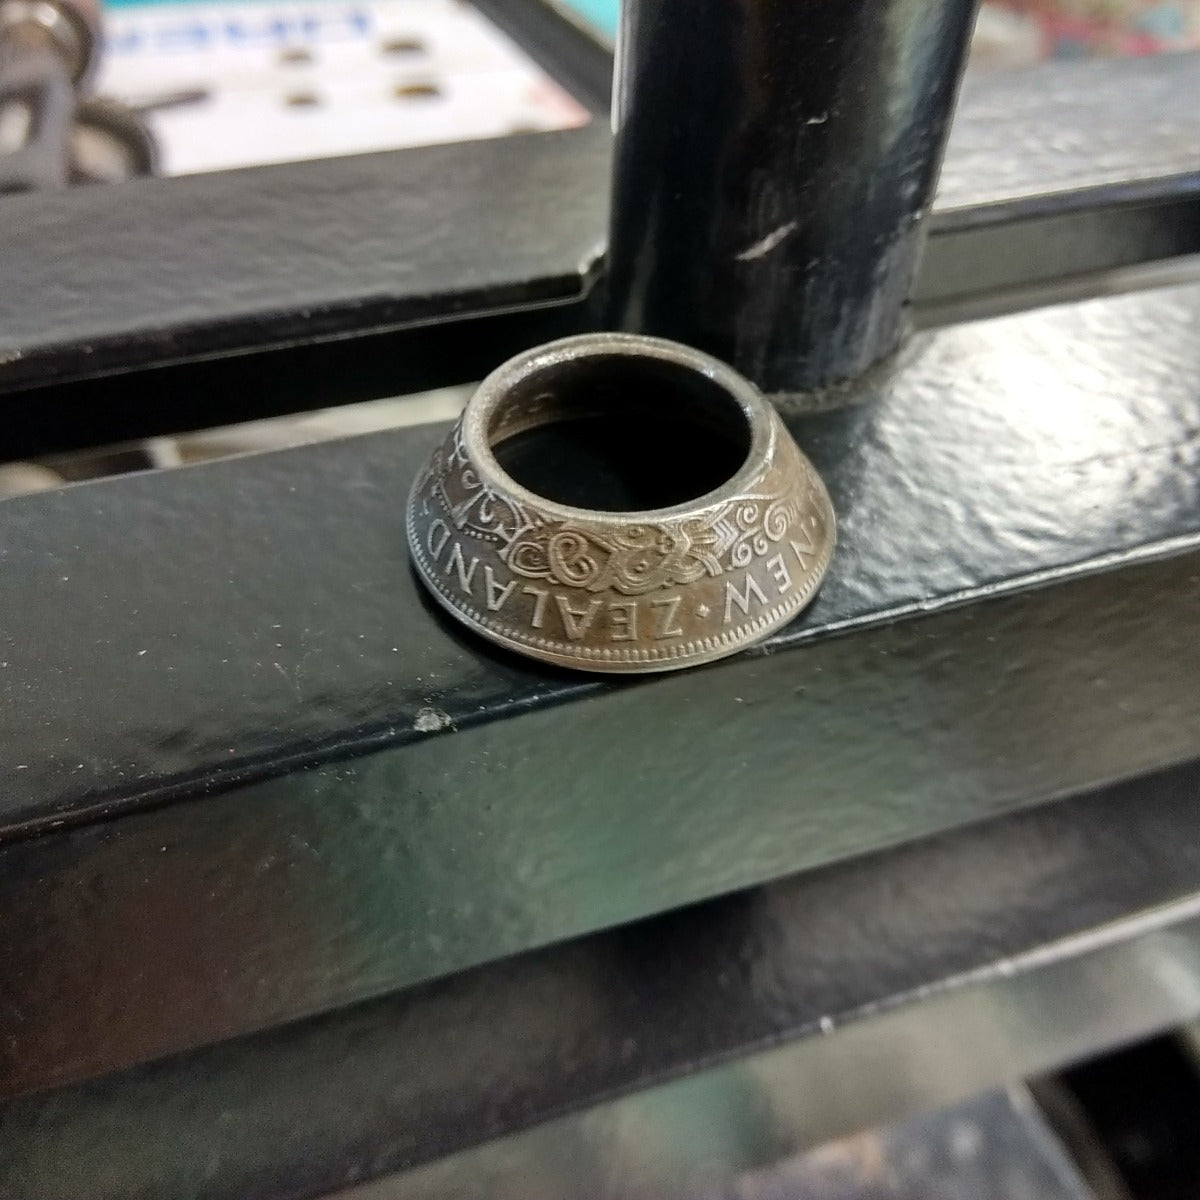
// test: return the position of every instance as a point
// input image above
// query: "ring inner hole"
(619, 433)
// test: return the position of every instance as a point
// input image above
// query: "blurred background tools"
(52, 131)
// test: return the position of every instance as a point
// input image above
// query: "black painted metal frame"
(226, 828)
(778, 225)
(414, 269)
(845, 1010)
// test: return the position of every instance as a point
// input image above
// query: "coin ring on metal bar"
(619, 591)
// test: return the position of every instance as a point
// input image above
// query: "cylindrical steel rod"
(774, 163)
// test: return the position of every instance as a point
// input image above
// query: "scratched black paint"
(773, 166)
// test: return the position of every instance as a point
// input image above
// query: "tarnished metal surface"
(715, 530)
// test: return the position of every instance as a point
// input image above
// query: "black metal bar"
(900, 981)
(243, 646)
(773, 168)
(978, 263)
(159, 271)
(231, 388)
(569, 48)
(398, 275)
(1036, 504)
(981, 263)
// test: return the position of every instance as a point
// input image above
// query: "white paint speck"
(140, 653)
(765, 245)
(817, 120)
(826, 1024)
(430, 720)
